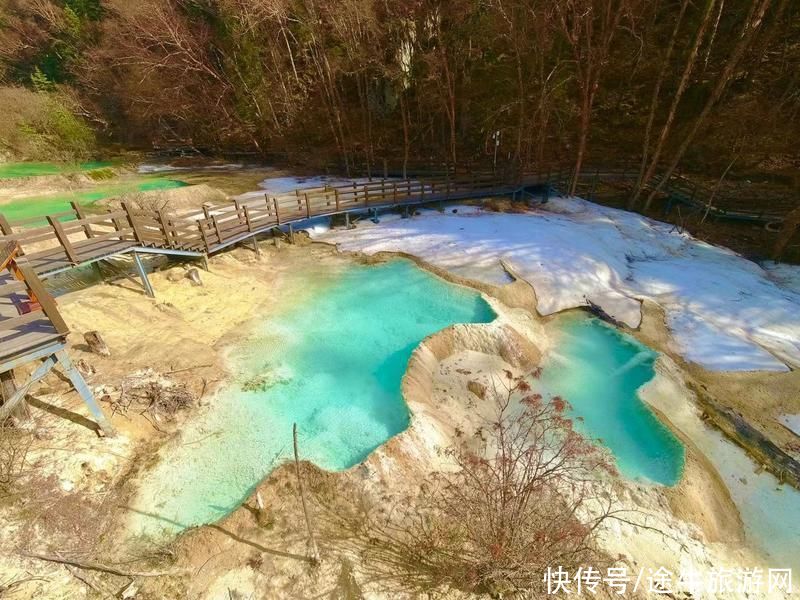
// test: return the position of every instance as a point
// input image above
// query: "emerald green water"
(35, 169)
(34, 206)
(333, 365)
(598, 370)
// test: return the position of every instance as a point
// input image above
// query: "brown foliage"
(527, 492)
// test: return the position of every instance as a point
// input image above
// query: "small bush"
(528, 492)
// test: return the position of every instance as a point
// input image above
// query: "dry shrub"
(152, 396)
(529, 493)
(15, 443)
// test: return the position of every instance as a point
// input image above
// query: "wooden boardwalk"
(71, 238)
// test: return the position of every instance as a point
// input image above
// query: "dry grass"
(15, 443)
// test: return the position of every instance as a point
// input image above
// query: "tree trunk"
(654, 107)
(311, 539)
(666, 129)
(749, 30)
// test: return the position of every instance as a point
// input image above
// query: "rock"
(175, 275)
(193, 275)
(96, 343)
(477, 388)
(85, 368)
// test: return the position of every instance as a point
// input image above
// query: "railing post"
(164, 226)
(44, 298)
(87, 229)
(308, 206)
(137, 232)
(202, 226)
(239, 207)
(216, 228)
(277, 216)
(63, 240)
(5, 226)
(336, 196)
(117, 224)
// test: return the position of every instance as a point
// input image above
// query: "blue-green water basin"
(333, 365)
(37, 169)
(599, 370)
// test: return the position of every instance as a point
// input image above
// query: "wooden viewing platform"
(71, 238)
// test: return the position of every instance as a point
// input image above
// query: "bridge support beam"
(54, 355)
(148, 289)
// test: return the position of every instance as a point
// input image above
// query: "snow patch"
(725, 312)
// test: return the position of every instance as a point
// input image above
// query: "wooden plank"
(19, 322)
(5, 226)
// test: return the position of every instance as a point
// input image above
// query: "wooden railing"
(222, 223)
(24, 300)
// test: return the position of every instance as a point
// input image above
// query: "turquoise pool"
(36, 169)
(599, 370)
(332, 365)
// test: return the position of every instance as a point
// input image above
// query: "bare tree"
(589, 26)
(527, 492)
(748, 32)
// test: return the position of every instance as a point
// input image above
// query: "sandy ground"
(75, 483)
(71, 502)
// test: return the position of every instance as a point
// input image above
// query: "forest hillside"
(708, 86)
